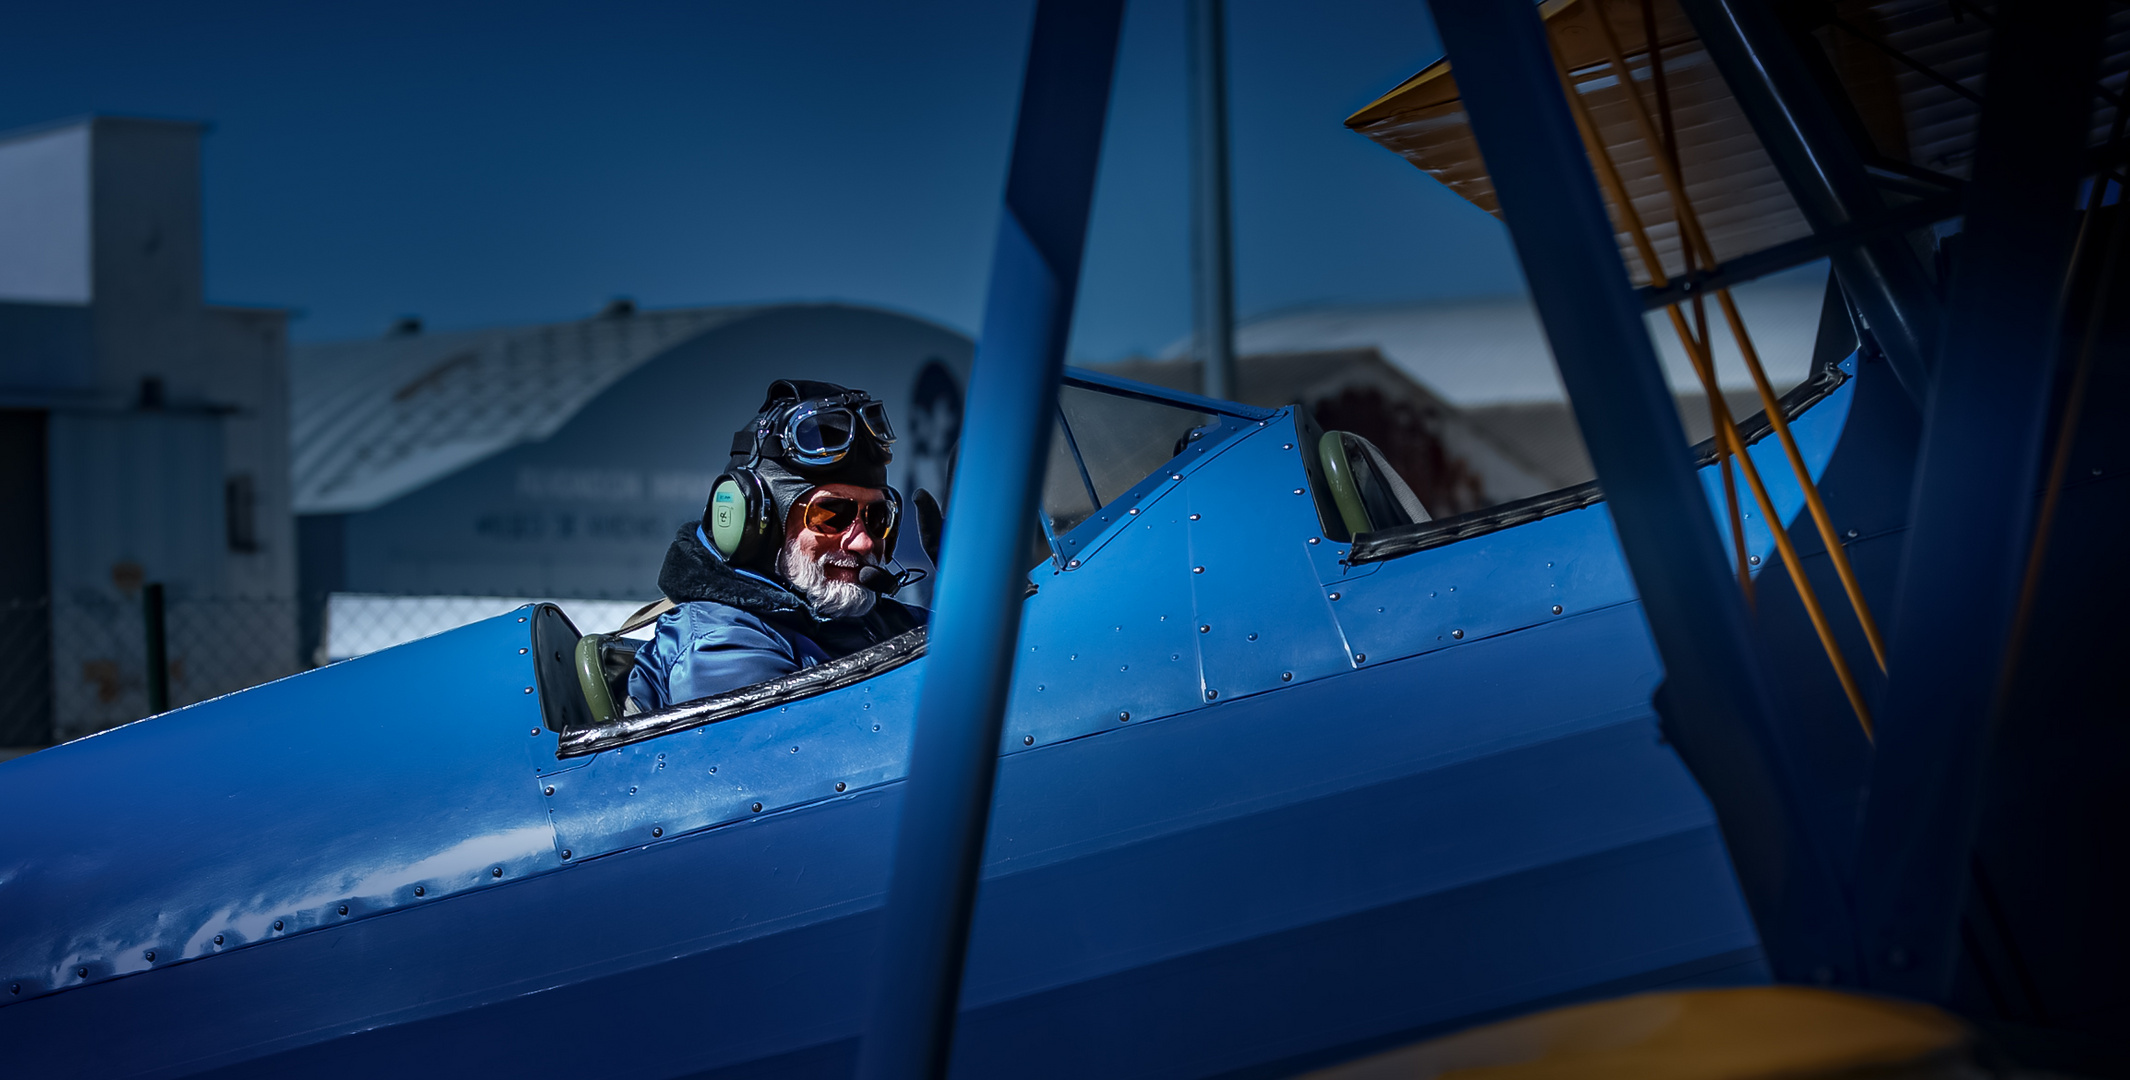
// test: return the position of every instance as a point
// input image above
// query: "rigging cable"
(1724, 468)
(1726, 428)
(1690, 231)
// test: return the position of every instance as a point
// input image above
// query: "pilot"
(788, 566)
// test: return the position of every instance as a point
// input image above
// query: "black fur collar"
(692, 573)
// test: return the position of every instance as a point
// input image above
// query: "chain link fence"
(25, 671)
(98, 647)
(73, 666)
(359, 623)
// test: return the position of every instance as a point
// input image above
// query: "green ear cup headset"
(740, 519)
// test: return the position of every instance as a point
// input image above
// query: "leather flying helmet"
(805, 434)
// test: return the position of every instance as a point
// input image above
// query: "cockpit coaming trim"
(1407, 539)
(804, 683)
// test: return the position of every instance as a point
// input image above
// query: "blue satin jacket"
(734, 628)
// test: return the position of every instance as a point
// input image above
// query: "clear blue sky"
(478, 164)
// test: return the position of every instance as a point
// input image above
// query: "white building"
(145, 437)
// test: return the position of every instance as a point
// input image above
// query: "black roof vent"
(406, 326)
(620, 307)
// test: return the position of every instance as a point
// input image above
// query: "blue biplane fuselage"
(1256, 801)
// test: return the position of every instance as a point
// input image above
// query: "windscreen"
(1102, 445)
(1068, 498)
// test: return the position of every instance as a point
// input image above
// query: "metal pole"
(1035, 270)
(1973, 503)
(1823, 171)
(1212, 222)
(1714, 703)
(158, 648)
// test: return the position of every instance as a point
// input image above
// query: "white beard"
(830, 599)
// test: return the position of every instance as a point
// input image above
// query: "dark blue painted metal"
(1973, 505)
(1260, 618)
(1410, 843)
(1820, 166)
(190, 838)
(1865, 485)
(718, 774)
(1035, 272)
(1164, 885)
(243, 820)
(1718, 708)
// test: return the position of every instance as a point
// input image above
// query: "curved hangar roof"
(374, 419)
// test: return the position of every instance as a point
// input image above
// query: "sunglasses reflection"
(831, 515)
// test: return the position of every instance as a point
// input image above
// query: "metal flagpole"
(1212, 222)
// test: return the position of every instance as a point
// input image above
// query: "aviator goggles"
(822, 431)
(831, 515)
